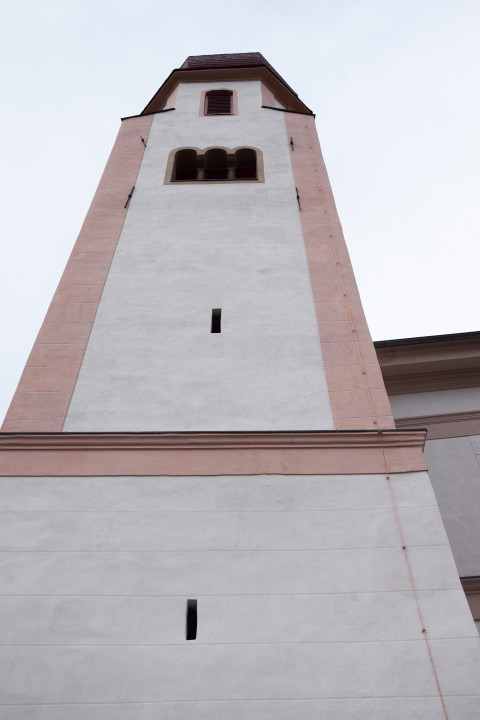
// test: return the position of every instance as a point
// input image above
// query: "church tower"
(208, 511)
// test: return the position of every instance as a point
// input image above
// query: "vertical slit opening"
(216, 320)
(191, 620)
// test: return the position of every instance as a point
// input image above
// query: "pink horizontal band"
(307, 453)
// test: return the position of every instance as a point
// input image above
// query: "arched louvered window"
(216, 164)
(218, 102)
(245, 164)
(185, 165)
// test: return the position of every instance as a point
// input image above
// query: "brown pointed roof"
(231, 60)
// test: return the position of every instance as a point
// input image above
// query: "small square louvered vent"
(219, 102)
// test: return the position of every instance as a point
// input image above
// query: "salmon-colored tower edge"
(357, 393)
(46, 386)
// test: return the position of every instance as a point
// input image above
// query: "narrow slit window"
(216, 320)
(191, 620)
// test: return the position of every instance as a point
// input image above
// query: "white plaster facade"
(151, 362)
(304, 601)
(436, 402)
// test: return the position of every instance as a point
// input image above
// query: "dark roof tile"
(230, 60)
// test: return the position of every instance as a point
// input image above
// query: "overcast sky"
(394, 84)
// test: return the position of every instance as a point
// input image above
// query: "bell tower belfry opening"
(208, 505)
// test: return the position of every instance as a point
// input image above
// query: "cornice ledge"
(432, 380)
(445, 425)
(212, 440)
(427, 420)
(471, 585)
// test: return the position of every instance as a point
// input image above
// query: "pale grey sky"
(396, 91)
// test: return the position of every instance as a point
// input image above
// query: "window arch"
(216, 167)
(245, 164)
(215, 164)
(185, 165)
(218, 102)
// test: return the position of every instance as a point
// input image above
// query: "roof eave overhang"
(428, 364)
(284, 94)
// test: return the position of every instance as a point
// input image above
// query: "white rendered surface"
(305, 606)
(436, 402)
(454, 465)
(151, 362)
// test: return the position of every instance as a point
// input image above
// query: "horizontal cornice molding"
(442, 364)
(342, 452)
(471, 588)
(433, 380)
(212, 440)
(471, 584)
(446, 425)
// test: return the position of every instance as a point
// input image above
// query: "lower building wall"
(454, 465)
(305, 604)
(452, 452)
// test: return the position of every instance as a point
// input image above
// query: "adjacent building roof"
(428, 339)
(431, 362)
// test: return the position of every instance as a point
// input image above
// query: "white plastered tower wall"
(317, 559)
(152, 362)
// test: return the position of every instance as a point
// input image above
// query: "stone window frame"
(201, 151)
(203, 103)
